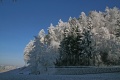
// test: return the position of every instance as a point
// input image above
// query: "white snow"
(104, 76)
(22, 74)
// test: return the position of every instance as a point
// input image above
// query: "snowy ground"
(104, 76)
(17, 75)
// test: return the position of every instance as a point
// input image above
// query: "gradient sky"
(20, 21)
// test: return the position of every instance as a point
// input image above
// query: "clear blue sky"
(20, 21)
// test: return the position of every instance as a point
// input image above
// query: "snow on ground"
(104, 76)
(22, 74)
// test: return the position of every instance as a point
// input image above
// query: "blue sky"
(20, 21)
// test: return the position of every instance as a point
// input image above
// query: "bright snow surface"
(18, 75)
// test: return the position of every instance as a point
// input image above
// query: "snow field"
(90, 73)
(104, 76)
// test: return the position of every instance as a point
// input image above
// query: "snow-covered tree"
(75, 49)
(39, 55)
(28, 50)
(35, 54)
(88, 40)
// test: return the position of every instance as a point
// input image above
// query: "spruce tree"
(72, 49)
